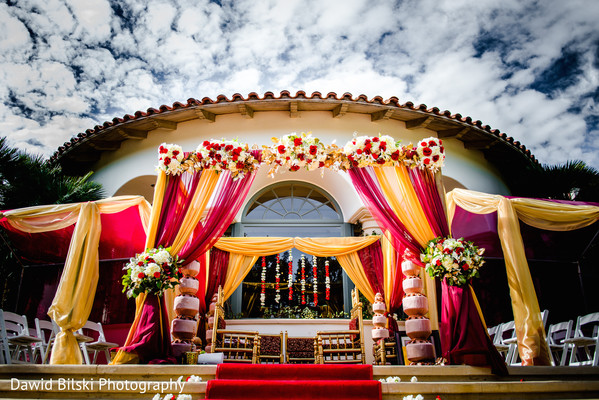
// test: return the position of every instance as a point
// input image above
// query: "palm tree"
(25, 181)
(573, 180)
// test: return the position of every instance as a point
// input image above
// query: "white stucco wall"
(139, 157)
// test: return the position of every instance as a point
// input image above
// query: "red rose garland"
(327, 280)
(263, 278)
(277, 282)
(315, 279)
(290, 277)
(303, 279)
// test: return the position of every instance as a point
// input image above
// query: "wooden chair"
(271, 348)
(299, 350)
(585, 341)
(237, 346)
(340, 347)
(556, 335)
(97, 345)
(15, 340)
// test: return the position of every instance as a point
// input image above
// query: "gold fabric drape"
(206, 186)
(74, 297)
(541, 214)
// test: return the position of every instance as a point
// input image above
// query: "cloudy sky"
(527, 68)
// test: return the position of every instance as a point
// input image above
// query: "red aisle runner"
(264, 382)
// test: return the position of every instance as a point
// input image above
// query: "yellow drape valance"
(74, 297)
(540, 214)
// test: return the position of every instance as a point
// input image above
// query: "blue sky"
(527, 68)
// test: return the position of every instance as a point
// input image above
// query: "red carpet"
(264, 382)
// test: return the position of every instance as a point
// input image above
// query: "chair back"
(13, 324)
(587, 325)
(492, 331)
(356, 315)
(219, 314)
(96, 329)
(558, 332)
(45, 330)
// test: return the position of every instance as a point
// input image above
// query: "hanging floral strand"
(327, 280)
(290, 277)
(263, 278)
(303, 279)
(315, 279)
(277, 282)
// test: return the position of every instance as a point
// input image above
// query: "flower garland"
(315, 280)
(303, 281)
(294, 152)
(277, 281)
(263, 282)
(290, 276)
(455, 260)
(153, 272)
(170, 158)
(327, 280)
(229, 155)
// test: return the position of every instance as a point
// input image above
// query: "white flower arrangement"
(170, 158)
(295, 151)
(152, 271)
(365, 150)
(230, 155)
(455, 260)
(431, 153)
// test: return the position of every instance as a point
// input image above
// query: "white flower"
(168, 396)
(408, 397)
(162, 257)
(152, 268)
(156, 397)
(184, 397)
(414, 379)
(419, 397)
(393, 379)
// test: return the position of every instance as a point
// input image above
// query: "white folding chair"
(17, 344)
(506, 341)
(47, 331)
(100, 344)
(556, 335)
(492, 331)
(585, 341)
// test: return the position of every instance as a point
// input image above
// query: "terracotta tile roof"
(473, 133)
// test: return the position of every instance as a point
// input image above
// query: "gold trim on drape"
(540, 214)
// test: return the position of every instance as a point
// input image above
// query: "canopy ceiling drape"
(541, 214)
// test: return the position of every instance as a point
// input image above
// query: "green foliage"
(25, 181)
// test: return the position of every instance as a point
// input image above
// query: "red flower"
(166, 161)
(432, 143)
(440, 141)
(375, 139)
(301, 156)
(140, 263)
(367, 141)
(423, 144)
(465, 267)
(427, 151)
(359, 151)
(156, 274)
(383, 146)
(380, 161)
(297, 141)
(355, 163)
(218, 157)
(313, 150)
(281, 149)
(228, 147)
(295, 167)
(175, 153)
(426, 161)
(438, 263)
(367, 150)
(321, 164)
(235, 157)
(436, 158)
(395, 155)
(239, 165)
(410, 153)
(442, 149)
(163, 150)
(141, 275)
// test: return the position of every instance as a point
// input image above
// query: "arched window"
(292, 209)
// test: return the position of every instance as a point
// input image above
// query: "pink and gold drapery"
(541, 214)
(72, 303)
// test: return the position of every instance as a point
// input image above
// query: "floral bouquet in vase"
(455, 260)
(152, 272)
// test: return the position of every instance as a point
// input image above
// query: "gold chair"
(385, 351)
(343, 347)
(237, 346)
(271, 349)
(299, 350)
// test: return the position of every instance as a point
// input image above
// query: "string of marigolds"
(327, 280)
(263, 278)
(290, 276)
(303, 259)
(277, 281)
(315, 279)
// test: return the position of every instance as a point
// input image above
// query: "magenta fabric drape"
(371, 194)
(152, 342)
(217, 272)
(426, 190)
(464, 340)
